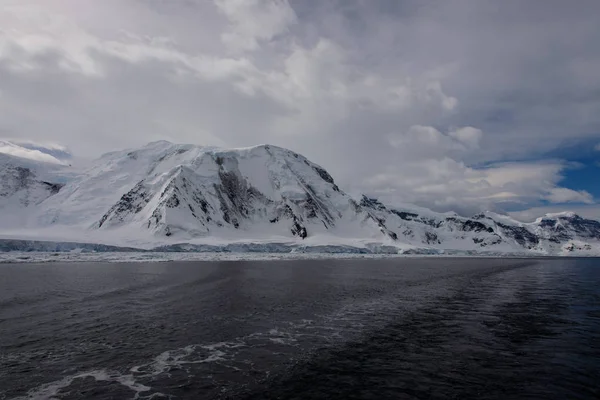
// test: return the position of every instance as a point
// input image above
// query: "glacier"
(177, 198)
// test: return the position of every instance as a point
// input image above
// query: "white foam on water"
(182, 358)
(191, 354)
(161, 364)
(279, 336)
(51, 390)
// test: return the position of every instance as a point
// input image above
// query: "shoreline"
(18, 257)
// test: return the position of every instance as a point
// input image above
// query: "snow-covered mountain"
(553, 234)
(165, 194)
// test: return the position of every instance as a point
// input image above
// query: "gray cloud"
(403, 99)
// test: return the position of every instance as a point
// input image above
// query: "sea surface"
(329, 329)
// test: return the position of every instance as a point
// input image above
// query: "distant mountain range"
(186, 197)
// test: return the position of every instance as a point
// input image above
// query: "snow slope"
(164, 195)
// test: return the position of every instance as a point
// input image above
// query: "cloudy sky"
(453, 105)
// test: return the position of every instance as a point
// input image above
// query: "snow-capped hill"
(561, 227)
(488, 231)
(437, 230)
(186, 192)
(173, 196)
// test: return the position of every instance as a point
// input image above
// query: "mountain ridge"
(164, 194)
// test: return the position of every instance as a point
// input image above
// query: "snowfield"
(173, 198)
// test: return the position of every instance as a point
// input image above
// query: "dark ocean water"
(335, 329)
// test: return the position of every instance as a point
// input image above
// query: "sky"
(452, 105)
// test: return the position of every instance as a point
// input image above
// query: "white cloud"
(391, 99)
(564, 195)
(312, 79)
(254, 21)
(424, 142)
(31, 154)
(75, 50)
(450, 185)
(468, 135)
